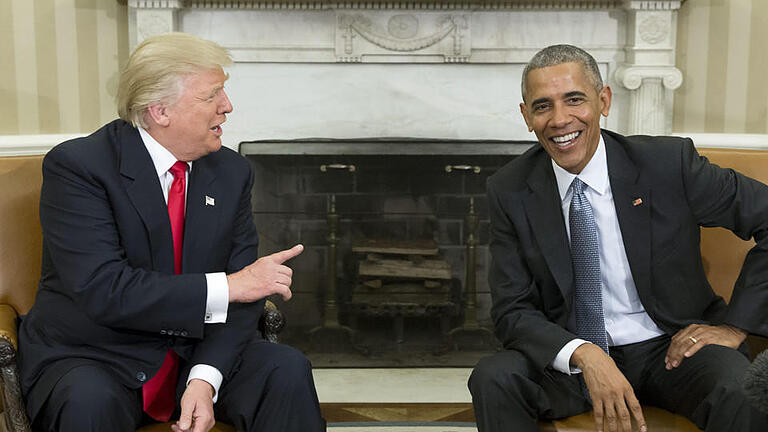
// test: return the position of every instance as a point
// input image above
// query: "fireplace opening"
(383, 278)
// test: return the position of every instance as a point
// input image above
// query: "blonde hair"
(156, 69)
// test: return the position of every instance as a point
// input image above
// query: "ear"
(524, 112)
(605, 100)
(159, 114)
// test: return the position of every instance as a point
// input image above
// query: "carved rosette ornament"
(153, 17)
(153, 24)
(403, 26)
(654, 28)
(360, 35)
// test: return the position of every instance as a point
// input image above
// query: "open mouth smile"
(565, 140)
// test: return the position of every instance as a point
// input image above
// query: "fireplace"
(404, 211)
(448, 69)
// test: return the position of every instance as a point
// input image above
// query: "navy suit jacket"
(531, 275)
(108, 293)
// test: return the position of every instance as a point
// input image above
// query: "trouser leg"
(271, 390)
(89, 398)
(509, 395)
(706, 388)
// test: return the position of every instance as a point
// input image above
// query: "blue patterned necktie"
(585, 255)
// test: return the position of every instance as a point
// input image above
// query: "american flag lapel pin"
(637, 201)
(209, 201)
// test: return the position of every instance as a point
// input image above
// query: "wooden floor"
(397, 412)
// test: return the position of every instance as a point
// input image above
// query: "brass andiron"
(471, 328)
(331, 328)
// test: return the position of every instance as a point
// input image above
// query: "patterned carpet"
(402, 427)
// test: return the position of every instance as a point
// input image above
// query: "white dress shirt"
(626, 320)
(217, 297)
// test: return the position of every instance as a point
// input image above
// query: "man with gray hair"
(599, 293)
(151, 287)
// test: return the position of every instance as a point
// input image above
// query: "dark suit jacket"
(107, 292)
(531, 275)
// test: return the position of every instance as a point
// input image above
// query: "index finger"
(199, 427)
(285, 255)
(185, 419)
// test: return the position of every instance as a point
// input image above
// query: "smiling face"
(563, 109)
(192, 125)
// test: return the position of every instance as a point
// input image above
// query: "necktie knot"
(577, 185)
(178, 169)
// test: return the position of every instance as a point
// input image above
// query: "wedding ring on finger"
(693, 340)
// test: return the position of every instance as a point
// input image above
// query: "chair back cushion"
(722, 252)
(21, 237)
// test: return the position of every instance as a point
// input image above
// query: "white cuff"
(209, 374)
(562, 361)
(217, 298)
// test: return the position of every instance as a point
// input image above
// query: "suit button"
(141, 376)
(176, 333)
(184, 333)
(162, 332)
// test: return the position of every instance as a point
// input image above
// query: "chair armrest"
(272, 322)
(14, 414)
(8, 332)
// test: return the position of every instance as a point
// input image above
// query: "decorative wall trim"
(156, 4)
(475, 5)
(724, 140)
(21, 145)
(653, 5)
(431, 34)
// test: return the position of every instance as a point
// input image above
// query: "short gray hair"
(156, 68)
(554, 55)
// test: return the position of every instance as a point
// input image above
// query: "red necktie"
(159, 392)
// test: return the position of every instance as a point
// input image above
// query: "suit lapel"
(202, 217)
(542, 205)
(143, 189)
(632, 200)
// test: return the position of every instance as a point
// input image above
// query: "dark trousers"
(510, 395)
(272, 390)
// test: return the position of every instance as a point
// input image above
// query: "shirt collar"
(595, 174)
(161, 157)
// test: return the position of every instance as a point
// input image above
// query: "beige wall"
(61, 59)
(722, 49)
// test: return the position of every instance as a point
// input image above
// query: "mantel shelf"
(384, 146)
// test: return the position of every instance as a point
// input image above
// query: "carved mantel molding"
(406, 4)
(635, 47)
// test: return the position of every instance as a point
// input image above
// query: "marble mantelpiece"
(443, 69)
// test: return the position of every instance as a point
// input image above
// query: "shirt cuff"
(209, 374)
(562, 361)
(217, 299)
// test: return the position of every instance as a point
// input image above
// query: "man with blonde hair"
(151, 286)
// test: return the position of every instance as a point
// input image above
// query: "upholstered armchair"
(20, 257)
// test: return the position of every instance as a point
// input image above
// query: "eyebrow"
(565, 96)
(574, 93)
